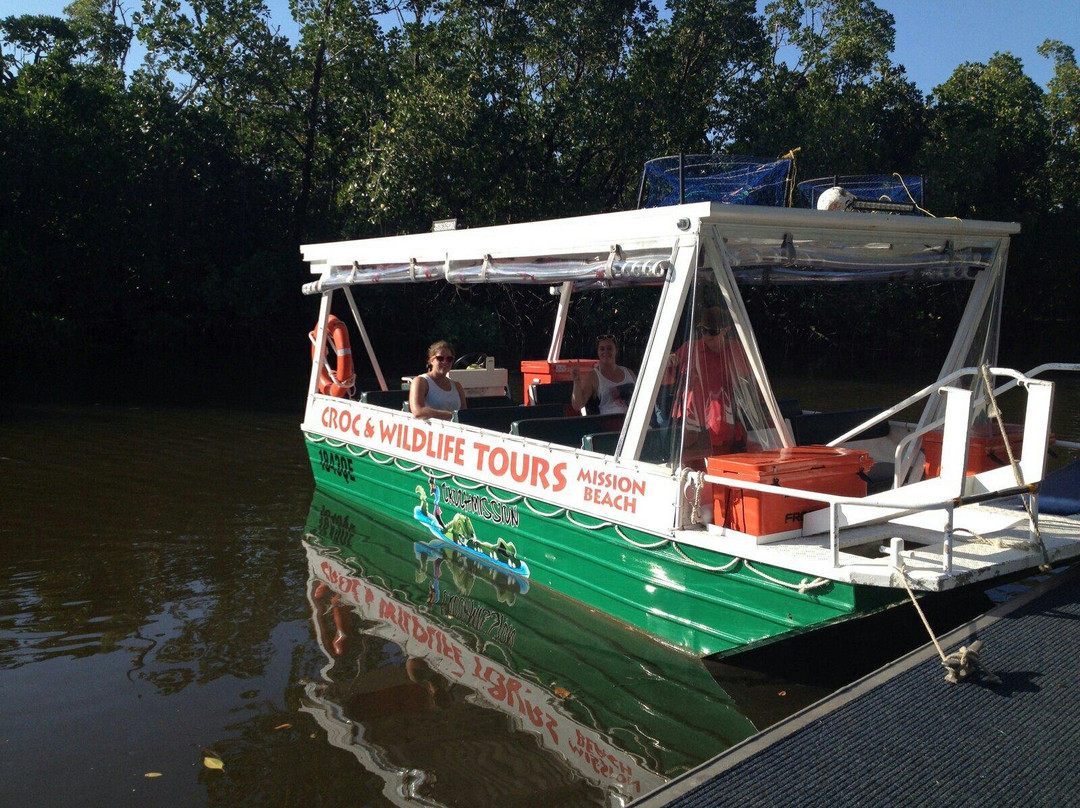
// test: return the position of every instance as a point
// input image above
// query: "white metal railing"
(899, 509)
(947, 497)
(903, 461)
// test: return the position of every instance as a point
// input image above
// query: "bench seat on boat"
(567, 431)
(559, 393)
(551, 393)
(500, 419)
(1059, 493)
(814, 429)
(655, 449)
(477, 402)
(392, 399)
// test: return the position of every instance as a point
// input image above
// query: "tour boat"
(712, 514)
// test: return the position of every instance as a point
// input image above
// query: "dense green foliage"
(150, 214)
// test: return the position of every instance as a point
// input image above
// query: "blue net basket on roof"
(870, 187)
(723, 178)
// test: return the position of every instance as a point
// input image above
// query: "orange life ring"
(339, 384)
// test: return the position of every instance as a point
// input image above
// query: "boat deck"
(991, 541)
(905, 736)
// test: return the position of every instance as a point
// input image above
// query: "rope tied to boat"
(994, 412)
(1009, 544)
(915, 602)
(695, 510)
(803, 586)
(965, 664)
(961, 665)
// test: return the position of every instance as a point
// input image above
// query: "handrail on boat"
(900, 509)
(946, 503)
(1017, 379)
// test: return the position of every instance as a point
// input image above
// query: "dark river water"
(173, 593)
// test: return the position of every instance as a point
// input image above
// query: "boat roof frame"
(637, 230)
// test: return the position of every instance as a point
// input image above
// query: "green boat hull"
(700, 601)
(534, 652)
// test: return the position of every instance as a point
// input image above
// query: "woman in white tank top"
(612, 384)
(434, 394)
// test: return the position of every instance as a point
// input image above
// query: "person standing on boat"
(612, 384)
(710, 361)
(434, 394)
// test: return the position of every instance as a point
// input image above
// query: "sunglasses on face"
(712, 332)
(442, 359)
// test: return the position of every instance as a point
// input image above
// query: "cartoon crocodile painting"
(459, 532)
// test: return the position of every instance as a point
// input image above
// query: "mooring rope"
(695, 511)
(1012, 544)
(553, 515)
(514, 499)
(918, 608)
(628, 540)
(570, 518)
(961, 664)
(995, 412)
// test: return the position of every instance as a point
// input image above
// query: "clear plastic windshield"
(710, 400)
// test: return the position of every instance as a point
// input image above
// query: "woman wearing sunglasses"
(434, 394)
(612, 384)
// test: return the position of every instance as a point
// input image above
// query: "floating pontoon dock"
(905, 736)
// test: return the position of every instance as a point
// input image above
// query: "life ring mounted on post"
(340, 380)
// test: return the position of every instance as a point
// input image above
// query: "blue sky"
(933, 37)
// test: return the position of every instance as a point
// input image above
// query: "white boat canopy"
(761, 245)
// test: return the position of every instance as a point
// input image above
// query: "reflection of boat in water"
(467, 567)
(426, 645)
(712, 513)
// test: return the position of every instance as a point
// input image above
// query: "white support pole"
(1040, 405)
(364, 337)
(725, 278)
(954, 439)
(946, 544)
(320, 344)
(986, 291)
(672, 299)
(834, 533)
(1033, 518)
(561, 316)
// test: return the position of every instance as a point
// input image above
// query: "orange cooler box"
(812, 468)
(540, 371)
(986, 448)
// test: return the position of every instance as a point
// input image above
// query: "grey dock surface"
(904, 736)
